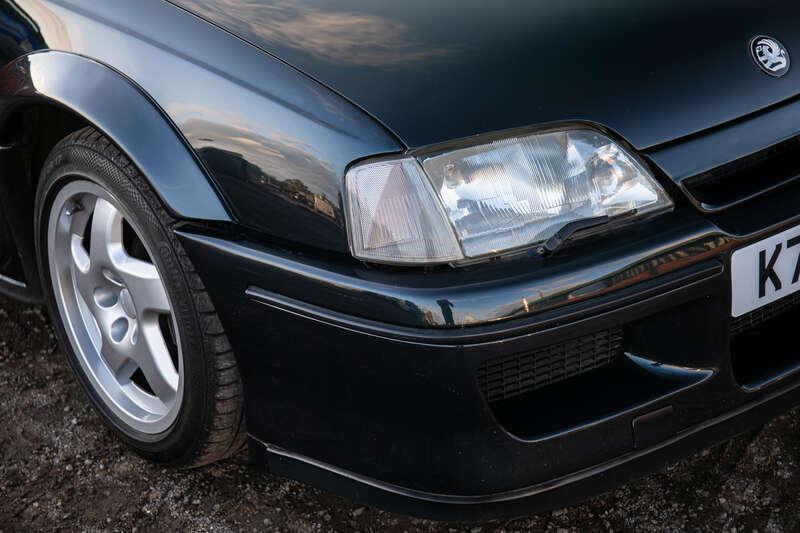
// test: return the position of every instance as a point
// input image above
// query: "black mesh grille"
(755, 318)
(748, 177)
(509, 376)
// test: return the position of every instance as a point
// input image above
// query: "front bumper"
(365, 382)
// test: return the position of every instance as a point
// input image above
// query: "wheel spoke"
(114, 300)
(81, 268)
(80, 258)
(120, 364)
(145, 285)
(106, 246)
(156, 363)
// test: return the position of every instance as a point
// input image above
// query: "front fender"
(117, 106)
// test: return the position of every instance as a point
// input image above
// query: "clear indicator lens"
(394, 215)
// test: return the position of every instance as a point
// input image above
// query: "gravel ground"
(61, 468)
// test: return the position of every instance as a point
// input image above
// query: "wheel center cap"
(126, 301)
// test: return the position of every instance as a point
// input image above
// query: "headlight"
(491, 198)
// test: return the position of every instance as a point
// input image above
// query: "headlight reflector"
(519, 191)
(490, 198)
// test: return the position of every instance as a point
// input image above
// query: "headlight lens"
(496, 197)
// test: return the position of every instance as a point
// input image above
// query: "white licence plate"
(765, 271)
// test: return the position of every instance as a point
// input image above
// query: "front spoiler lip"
(509, 477)
(532, 491)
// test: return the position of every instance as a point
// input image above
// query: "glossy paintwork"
(275, 141)
(20, 34)
(374, 354)
(368, 373)
(434, 71)
(97, 93)
(405, 400)
(487, 294)
(277, 144)
(539, 498)
(425, 380)
(732, 141)
(591, 271)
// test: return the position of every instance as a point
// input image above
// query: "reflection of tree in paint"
(231, 166)
(447, 311)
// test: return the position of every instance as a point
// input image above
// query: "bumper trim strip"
(485, 333)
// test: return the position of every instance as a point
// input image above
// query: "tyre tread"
(224, 431)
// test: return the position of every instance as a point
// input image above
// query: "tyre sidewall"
(69, 163)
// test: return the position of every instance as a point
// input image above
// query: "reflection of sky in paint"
(276, 155)
(349, 38)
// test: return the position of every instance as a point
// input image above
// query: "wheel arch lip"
(273, 141)
(116, 105)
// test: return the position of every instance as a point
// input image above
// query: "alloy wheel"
(115, 308)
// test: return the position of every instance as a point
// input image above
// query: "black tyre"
(129, 310)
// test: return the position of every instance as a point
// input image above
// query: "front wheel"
(132, 316)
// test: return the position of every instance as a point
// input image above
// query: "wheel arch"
(47, 95)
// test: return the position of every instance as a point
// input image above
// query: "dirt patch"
(61, 468)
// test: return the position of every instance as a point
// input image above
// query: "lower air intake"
(510, 376)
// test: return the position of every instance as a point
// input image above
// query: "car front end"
(535, 378)
(565, 276)
(462, 260)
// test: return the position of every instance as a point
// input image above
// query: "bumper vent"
(510, 376)
(747, 178)
(756, 318)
